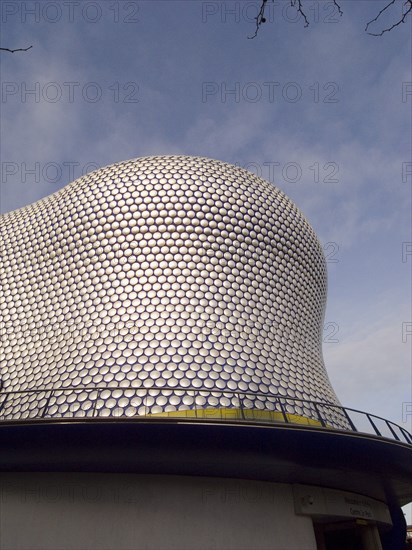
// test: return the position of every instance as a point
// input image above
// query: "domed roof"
(158, 277)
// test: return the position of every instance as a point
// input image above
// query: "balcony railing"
(190, 404)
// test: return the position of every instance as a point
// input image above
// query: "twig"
(300, 10)
(402, 20)
(338, 6)
(16, 50)
(260, 18)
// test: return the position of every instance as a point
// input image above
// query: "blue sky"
(324, 112)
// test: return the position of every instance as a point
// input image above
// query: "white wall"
(126, 511)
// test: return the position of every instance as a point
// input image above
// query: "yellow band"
(238, 414)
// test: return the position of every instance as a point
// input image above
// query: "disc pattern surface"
(155, 275)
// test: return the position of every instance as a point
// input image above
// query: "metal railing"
(193, 404)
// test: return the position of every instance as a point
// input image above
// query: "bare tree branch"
(300, 10)
(338, 6)
(16, 50)
(260, 18)
(298, 4)
(387, 29)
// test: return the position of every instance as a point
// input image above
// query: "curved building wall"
(68, 511)
(155, 275)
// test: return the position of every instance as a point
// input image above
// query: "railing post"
(242, 413)
(95, 403)
(373, 425)
(195, 394)
(348, 418)
(392, 430)
(319, 415)
(282, 408)
(46, 406)
(406, 435)
(3, 402)
(146, 406)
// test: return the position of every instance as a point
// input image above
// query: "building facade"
(173, 307)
